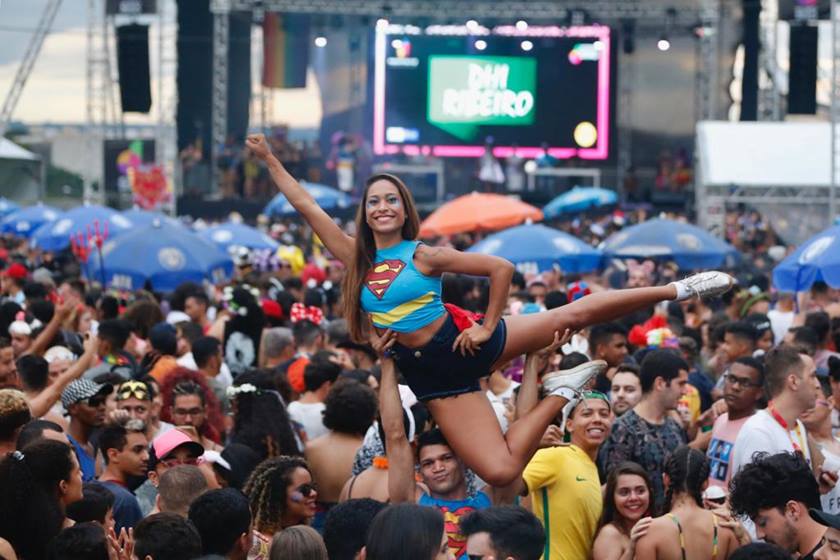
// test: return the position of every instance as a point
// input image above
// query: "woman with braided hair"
(282, 494)
(686, 531)
(393, 284)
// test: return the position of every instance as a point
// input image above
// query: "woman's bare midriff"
(420, 337)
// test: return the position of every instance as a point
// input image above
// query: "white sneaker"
(568, 383)
(704, 284)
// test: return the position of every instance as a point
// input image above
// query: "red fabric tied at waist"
(462, 318)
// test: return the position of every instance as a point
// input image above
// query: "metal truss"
(28, 62)
(166, 144)
(769, 98)
(221, 40)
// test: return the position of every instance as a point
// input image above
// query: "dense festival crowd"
(248, 420)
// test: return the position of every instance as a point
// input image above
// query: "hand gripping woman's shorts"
(434, 370)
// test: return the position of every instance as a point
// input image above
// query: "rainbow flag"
(285, 50)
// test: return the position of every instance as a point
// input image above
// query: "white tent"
(782, 169)
(21, 173)
(10, 150)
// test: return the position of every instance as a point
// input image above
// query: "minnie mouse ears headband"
(21, 327)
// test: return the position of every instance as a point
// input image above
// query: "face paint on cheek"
(296, 497)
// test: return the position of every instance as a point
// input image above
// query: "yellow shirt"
(565, 479)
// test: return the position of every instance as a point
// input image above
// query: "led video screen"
(444, 90)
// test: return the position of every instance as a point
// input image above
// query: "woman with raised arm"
(441, 350)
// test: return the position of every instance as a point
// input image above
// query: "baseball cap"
(16, 271)
(823, 518)
(166, 443)
(82, 389)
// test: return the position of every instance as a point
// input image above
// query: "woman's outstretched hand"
(470, 339)
(257, 144)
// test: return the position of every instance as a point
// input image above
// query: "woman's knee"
(501, 473)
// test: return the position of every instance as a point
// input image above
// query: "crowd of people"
(251, 420)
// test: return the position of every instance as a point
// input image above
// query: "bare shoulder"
(610, 543)
(427, 253)
(609, 532)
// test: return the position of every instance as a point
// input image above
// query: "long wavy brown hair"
(610, 513)
(351, 288)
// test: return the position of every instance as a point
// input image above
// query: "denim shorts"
(434, 370)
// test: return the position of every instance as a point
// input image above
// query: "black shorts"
(434, 370)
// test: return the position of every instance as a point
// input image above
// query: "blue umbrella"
(816, 259)
(80, 220)
(231, 233)
(26, 220)
(539, 246)
(689, 246)
(140, 218)
(7, 207)
(579, 199)
(164, 254)
(327, 198)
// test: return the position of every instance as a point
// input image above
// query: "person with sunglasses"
(84, 402)
(742, 391)
(282, 494)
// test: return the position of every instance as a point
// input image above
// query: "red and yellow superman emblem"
(382, 275)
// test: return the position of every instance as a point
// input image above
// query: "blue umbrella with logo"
(82, 220)
(232, 233)
(579, 199)
(536, 248)
(689, 246)
(140, 218)
(26, 220)
(818, 259)
(163, 254)
(7, 207)
(327, 198)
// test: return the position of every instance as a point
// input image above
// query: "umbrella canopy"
(327, 198)
(478, 211)
(82, 220)
(579, 199)
(7, 207)
(816, 259)
(539, 248)
(231, 233)
(140, 218)
(164, 254)
(689, 246)
(26, 220)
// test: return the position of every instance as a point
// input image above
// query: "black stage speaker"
(133, 67)
(802, 80)
(195, 73)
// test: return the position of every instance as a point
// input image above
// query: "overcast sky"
(55, 90)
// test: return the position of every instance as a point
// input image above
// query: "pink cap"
(166, 443)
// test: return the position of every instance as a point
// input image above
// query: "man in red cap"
(12, 280)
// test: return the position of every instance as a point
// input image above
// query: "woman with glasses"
(282, 494)
(626, 515)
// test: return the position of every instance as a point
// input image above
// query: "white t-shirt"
(225, 379)
(310, 416)
(780, 322)
(763, 433)
(831, 501)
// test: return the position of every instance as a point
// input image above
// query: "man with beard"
(126, 453)
(776, 492)
(626, 388)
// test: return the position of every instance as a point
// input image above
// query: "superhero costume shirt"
(397, 295)
(453, 511)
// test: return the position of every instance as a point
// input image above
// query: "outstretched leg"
(471, 428)
(529, 333)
